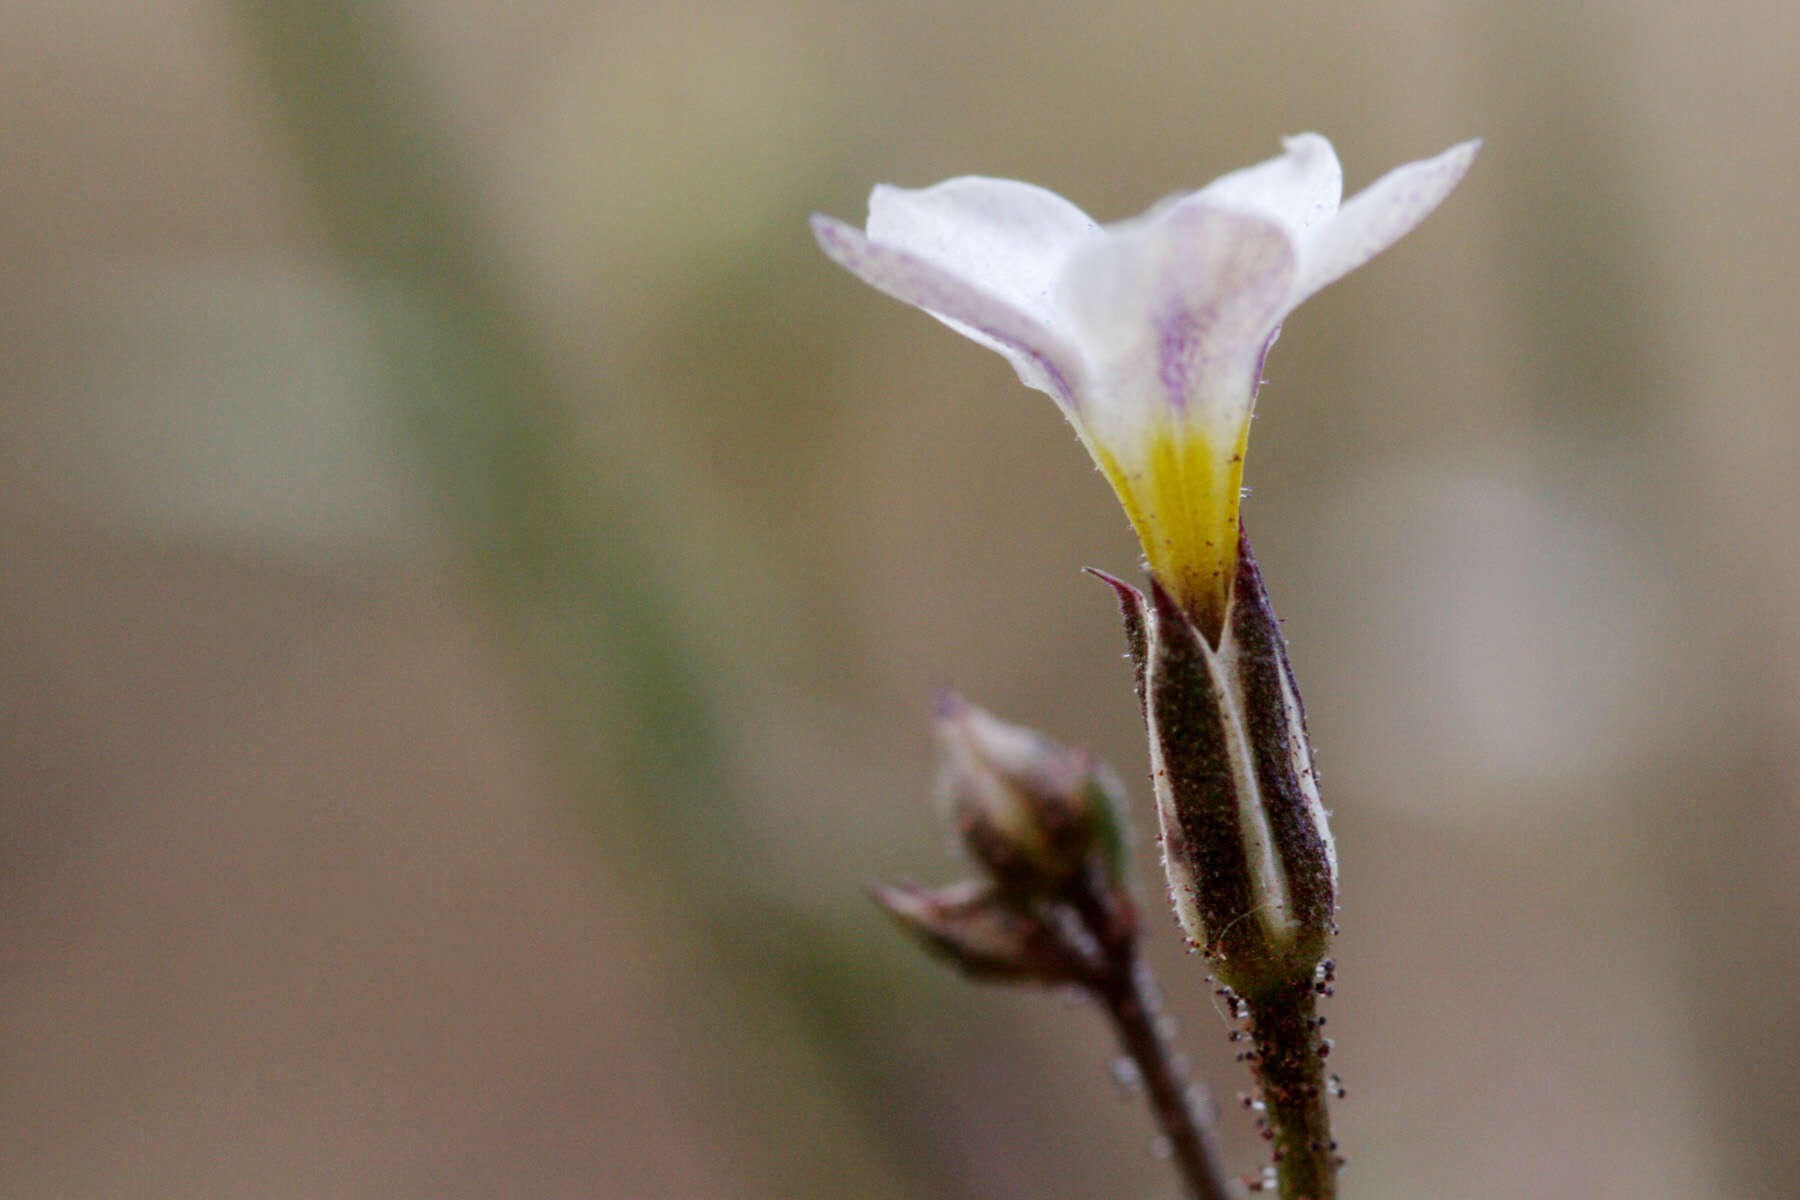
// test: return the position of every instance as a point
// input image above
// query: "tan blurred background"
(473, 573)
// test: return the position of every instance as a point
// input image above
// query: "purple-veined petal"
(1152, 333)
(1297, 190)
(1043, 359)
(1009, 239)
(1172, 312)
(1174, 305)
(1378, 216)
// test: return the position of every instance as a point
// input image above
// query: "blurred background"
(474, 572)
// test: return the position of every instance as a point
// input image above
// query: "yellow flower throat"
(1182, 498)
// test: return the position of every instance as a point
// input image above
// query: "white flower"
(1149, 334)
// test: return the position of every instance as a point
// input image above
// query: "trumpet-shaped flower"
(1149, 334)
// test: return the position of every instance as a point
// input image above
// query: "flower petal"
(1173, 304)
(1173, 312)
(1043, 358)
(1298, 190)
(1008, 238)
(1378, 216)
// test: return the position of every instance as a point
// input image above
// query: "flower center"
(1182, 497)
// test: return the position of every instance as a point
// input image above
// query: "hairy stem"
(1290, 1063)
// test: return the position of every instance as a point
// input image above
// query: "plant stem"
(1127, 991)
(1132, 1006)
(1290, 1062)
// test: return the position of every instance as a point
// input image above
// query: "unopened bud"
(1251, 864)
(979, 931)
(1030, 811)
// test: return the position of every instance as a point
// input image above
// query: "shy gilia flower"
(1149, 334)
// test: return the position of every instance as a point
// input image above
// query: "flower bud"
(1251, 865)
(1030, 811)
(979, 932)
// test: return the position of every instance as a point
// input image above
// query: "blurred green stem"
(565, 561)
